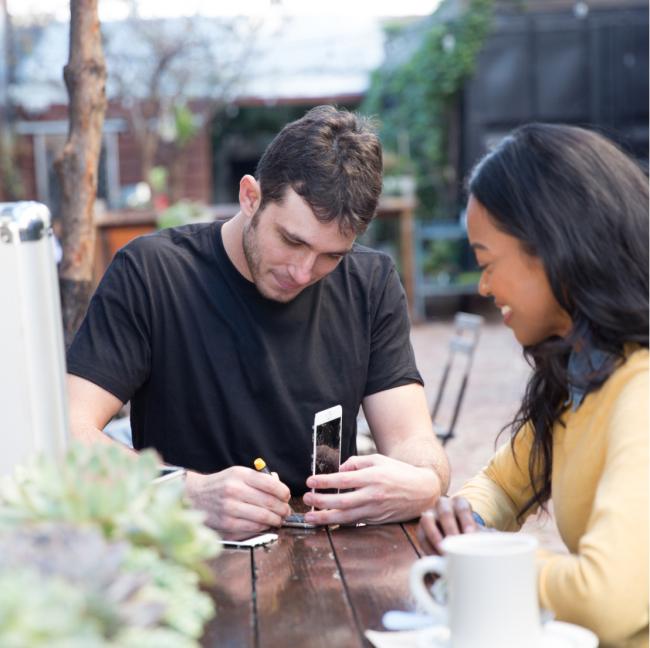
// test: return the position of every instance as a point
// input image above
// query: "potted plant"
(94, 553)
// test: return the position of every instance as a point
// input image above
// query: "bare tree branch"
(192, 62)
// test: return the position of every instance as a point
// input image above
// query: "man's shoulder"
(172, 240)
(365, 259)
(367, 267)
(364, 276)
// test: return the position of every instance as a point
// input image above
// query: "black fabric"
(217, 374)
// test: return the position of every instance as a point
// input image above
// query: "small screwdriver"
(260, 466)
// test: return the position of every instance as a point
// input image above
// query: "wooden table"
(311, 588)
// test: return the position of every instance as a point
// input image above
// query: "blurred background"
(196, 92)
(194, 99)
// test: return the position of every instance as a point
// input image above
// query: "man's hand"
(451, 516)
(385, 490)
(239, 501)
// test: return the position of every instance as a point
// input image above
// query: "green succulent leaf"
(94, 553)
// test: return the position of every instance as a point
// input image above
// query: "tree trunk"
(85, 78)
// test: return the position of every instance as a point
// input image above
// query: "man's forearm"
(89, 434)
(424, 453)
(91, 407)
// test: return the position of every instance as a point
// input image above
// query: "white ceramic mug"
(491, 590)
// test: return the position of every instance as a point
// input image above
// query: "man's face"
(287, 248)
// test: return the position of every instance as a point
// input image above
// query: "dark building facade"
(581, 63)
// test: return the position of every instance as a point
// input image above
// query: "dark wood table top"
(311, 588)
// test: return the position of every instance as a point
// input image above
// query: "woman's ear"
(250, 195)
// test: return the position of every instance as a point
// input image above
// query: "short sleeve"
(392, 361)
(112, 347)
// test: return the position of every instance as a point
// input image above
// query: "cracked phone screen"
(328, 450)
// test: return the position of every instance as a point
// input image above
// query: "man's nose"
(301, 270)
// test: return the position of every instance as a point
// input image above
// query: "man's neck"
(232, 235)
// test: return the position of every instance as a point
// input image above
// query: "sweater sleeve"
(502, 488)
(604, 586)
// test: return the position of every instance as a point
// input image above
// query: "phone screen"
(328, 450)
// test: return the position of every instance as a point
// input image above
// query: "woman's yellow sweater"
(600, 499)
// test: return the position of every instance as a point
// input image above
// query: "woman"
(558, 220)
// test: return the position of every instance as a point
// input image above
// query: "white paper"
(255, 541)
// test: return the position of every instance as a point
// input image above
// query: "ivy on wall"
(417, 100)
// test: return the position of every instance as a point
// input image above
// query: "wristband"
(478, 519)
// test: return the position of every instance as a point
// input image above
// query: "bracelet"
(478, 519)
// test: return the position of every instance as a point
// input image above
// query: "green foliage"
(185, 124)
(441, 256)
(44, 612)
(183, 212)
(121, 552)
(188, 608)
(158, 178)
(419, 96)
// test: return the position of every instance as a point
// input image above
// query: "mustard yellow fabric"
(600, 499)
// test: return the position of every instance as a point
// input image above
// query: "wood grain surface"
(301, 599)
(234, 623)
(375, 562)
(311, 588)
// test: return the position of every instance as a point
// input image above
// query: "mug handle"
(419, 569)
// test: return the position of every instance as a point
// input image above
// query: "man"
(228, 337)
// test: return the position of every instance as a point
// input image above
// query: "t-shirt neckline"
(247, 286)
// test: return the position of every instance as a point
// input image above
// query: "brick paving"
(496, 384)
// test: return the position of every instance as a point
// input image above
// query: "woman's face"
(515, 280)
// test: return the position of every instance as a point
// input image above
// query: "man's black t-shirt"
(217, 374)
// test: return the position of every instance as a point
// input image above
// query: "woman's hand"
(450, 516)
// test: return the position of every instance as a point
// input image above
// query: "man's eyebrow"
(297, 239)
(478, 246)
(294, 237)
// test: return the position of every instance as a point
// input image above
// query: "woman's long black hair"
(577, 202)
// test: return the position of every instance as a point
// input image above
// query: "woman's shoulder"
(636, 354)
(634, 364)
(629, 416)
(626, 390)
(624, 394)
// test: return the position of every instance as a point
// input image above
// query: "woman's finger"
(428, 533)
(463, 513)
(446, 517)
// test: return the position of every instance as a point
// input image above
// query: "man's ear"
(250, 195)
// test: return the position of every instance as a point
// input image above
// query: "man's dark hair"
(332, 159)
(580, 205)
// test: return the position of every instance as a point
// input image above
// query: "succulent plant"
(123, 555)
(105, 486)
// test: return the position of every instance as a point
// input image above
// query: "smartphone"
(297, 521)
(167, 473)
(326, 453)
(255, 541)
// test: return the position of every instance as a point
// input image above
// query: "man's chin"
(282, 297)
